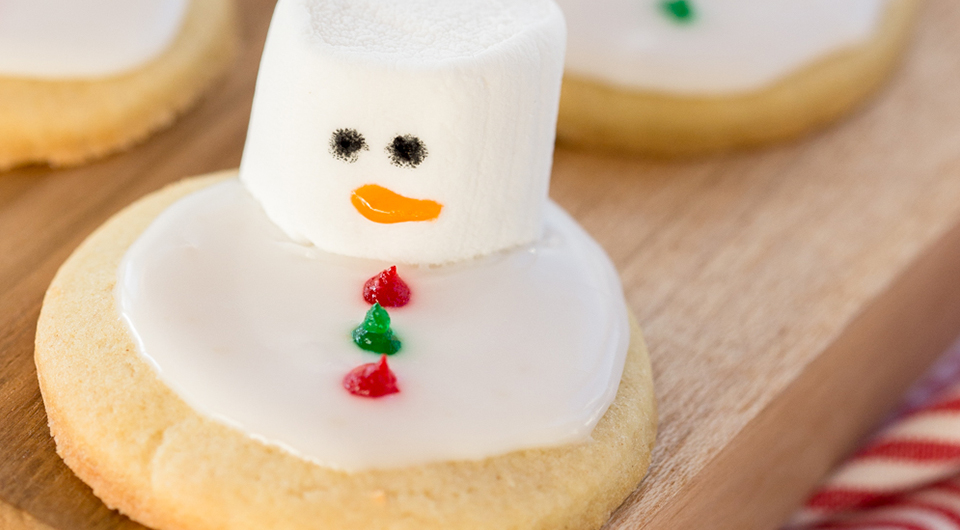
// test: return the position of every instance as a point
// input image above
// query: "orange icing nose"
(381, 205)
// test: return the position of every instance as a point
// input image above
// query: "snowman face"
(387, 169)
(377, 203)
(709, 46)
(411, 175)
(424, 156)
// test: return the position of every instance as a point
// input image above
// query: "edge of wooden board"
(770, 467)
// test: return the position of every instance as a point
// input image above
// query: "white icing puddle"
(729, 46)
(60, 39)
(520, 350)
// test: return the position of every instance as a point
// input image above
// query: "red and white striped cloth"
(907, 477)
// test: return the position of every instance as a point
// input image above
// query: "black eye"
(346, 144)
(407, 151)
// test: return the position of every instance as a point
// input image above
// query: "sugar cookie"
(96, 76)
(690, 77)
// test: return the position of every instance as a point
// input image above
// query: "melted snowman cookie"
(384, 322)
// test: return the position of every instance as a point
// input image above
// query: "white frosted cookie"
(82, 79)
(382, 322)
(150, 455)
(689, 77)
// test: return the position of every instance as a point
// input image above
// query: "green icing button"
(679, 10)
(374, 334)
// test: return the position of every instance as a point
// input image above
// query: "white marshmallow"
(477, 81)
(58, 39)
(727, 47)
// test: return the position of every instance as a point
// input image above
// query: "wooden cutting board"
(788, 295)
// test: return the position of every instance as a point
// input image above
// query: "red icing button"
(371, 380)
(387, 288)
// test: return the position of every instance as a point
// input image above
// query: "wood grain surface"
(788, 295)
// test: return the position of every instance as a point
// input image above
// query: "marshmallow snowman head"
(418, 132)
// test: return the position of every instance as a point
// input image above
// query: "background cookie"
(148, 454)
(599, 116)
(72, 121)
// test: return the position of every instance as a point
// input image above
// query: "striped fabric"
(907, 477)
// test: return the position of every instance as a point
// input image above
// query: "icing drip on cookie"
(518, 350)
(79, 39)
(387, 289)
(371, 380)
(709, 47)
(374, 334)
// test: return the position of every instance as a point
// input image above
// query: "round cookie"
(148, 454)
(598, 115)
(71, 121)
